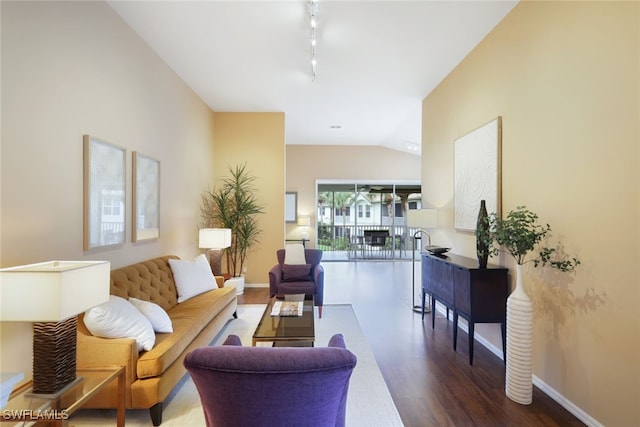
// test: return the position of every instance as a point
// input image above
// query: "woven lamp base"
(54, 355)
(215, 261)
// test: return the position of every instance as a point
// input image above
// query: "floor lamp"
(215, 240)
(51, 295)
(421, 219)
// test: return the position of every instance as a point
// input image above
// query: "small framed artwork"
(104, 193)
(290, 206)
(477, 169)
(146, 198)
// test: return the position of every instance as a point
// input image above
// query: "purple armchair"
(299, 279)
(272, 386)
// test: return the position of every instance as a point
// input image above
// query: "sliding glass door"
(363, 221)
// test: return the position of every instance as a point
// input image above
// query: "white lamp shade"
(215, 238)
(52, 291)
(304, 220)
(423, 218)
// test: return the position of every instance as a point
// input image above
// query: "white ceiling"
(377, 60)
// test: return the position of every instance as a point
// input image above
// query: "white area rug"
(369, 402)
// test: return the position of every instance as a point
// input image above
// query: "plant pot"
(238, 282)
(519, 383)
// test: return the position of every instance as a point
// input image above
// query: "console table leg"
(455, 329)
(471, 332)
(433, 312)
(503, 326)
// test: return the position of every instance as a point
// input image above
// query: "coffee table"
(287, 331)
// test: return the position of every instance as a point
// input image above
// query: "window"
(398, 207)
(364, 211)
(347, 211)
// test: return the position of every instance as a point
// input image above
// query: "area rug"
(369, 402)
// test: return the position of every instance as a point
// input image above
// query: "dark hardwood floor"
(431, 384)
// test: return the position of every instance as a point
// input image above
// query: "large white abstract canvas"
(477, 174)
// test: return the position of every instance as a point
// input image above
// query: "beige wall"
(70, 69)
(257, 139)
(308, 163)
(564, 76)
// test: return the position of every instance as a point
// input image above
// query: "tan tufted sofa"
(151, 375)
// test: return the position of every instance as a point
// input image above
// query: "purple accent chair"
(272, 386)
(299, 279)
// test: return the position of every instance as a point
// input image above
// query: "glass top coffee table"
(287, 331)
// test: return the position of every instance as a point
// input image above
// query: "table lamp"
(420, 218)
(215, 239)
(51, 295)
(304, 221)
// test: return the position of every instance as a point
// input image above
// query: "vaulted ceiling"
(376, 60)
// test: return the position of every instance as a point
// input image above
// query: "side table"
(24, 406)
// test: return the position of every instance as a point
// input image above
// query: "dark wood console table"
(477, 294)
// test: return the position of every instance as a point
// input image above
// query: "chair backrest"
(272, 386)
(376, 237)
(313, 256)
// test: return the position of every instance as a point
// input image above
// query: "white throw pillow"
(118, 318)
(294, 254)
(157, 316)
(192, 277)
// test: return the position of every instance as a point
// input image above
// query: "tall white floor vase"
(519, 385)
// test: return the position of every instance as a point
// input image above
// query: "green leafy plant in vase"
(233, 204)
(521, 236)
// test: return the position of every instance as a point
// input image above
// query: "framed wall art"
(290, 206)
(146, 198)
(104, 193)
(477, 174)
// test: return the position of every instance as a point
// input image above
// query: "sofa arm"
(318, 278)
(337, 340)
(96, 352)
(275, 276)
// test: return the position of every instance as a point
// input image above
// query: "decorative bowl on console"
(436, 250)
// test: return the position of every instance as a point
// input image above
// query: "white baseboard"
(256, 285)
(566, 403)
(544, 387)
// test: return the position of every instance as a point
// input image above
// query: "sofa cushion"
(118, 318)
(188, 319)
(192, 277)
(294, 254)
(296, 272)
(305, 287)
(157, 316)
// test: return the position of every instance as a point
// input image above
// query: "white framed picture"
(290, 206)
(104, 193)
(146, 198)
(477, 169)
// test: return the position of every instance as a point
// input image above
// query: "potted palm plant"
(521, 236)
(233, 204)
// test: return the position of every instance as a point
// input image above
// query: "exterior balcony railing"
(350, 242)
